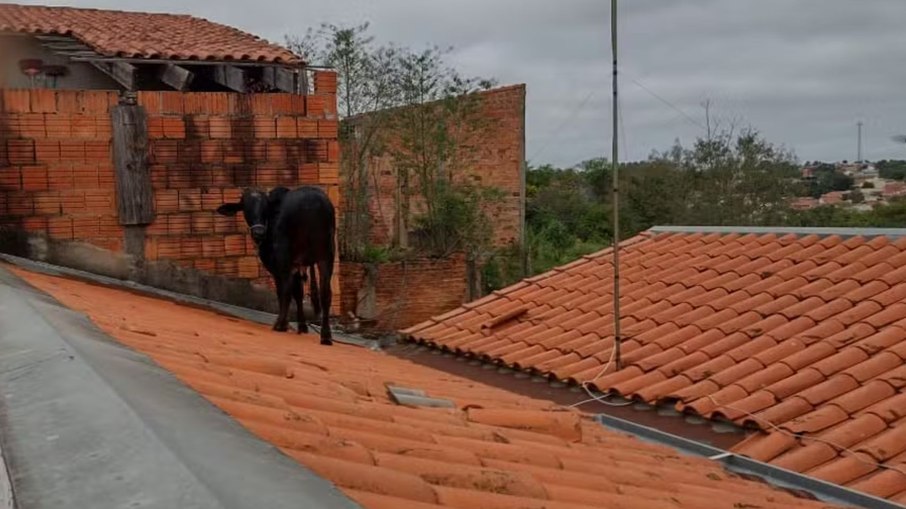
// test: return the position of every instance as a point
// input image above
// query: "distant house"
(831, 198)
(894, 190)
(803, 203)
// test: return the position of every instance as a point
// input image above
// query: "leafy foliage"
(895, 170)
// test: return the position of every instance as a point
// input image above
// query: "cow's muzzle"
(257, 231)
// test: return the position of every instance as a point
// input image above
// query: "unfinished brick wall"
(496, 162)
(393, 296)
(57, 175)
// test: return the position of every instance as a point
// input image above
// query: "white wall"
(81, 75)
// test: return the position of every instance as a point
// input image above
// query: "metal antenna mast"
(616, 195)
(859, 158)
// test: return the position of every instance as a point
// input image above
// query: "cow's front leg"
(298, 281)
(284, 294)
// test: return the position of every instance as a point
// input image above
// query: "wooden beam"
(176, 77)
(121, 72)
(134, 193)
(231, 77)
(283, 80)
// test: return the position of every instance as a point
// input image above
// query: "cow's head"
(258, 208)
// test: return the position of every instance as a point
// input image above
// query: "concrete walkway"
(87, 422)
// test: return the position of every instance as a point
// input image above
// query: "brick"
(166, 201)
(325, 82)
(151, 101)
(228, 267)
(286, 176)
(211, 199)
(329, 173)
(15, 100)
(221, 128)
(72, 202)
(96, 101)
(72, 150)
(286, 127)
(221, 176)
(60, 177)
(31, 125)
(167, 248)
(20, 203)
(97, 151)
(47, 151)
(158, 227)
(106, 179)
(232, 195)
(233, 152)
(198, 126)
(189, 200)
(225, 224)
(86, 227)
(261, 104)
(265, 127)
(155, 127)
(110, 227)
(307, 127)
(308, 173)
(172, 103)
(20, 151)
(67, 101)
(10, 179)
(189, 152)
(316, 106)
(84, 175)
(179, 224)
(164, 151)
(104, 128)
(174, 128)
(43, 100)
(219, 103)
(190, 247)
(34, 178)
(212, 151)
(60, 227)
(98, 201)
(234, 245)
(212, 246)
(35, 224)
(256, 151)
(247, 267)
(298, 104)
(266, 176)
(58, 126)
(158, 176)
(316, 150)
(205, 265)
(328, 128)
(333, 151)
(202, 222)
(84, 126)
(276, 151)
(281, 103)
(333, 192)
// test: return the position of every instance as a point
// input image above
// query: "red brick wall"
(57, 176)
(405, 293)
(497, 162)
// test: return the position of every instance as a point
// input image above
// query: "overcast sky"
(803, 72)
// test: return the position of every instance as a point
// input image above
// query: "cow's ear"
(229, 209)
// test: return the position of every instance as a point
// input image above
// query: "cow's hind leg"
(325, 270)
(298, 283)
(313, 291)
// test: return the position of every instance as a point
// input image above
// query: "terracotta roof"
(328, 408)
(143, 35)
(798, 331)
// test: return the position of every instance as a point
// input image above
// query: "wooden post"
(134, 195)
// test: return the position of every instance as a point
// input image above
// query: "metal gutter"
(89, 422)
(220, 307)
(825, 491)
(784, 230)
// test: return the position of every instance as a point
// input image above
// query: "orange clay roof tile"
(780, 327)
(144, 35)
(328, 408)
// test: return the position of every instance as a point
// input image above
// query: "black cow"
(293, 230)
